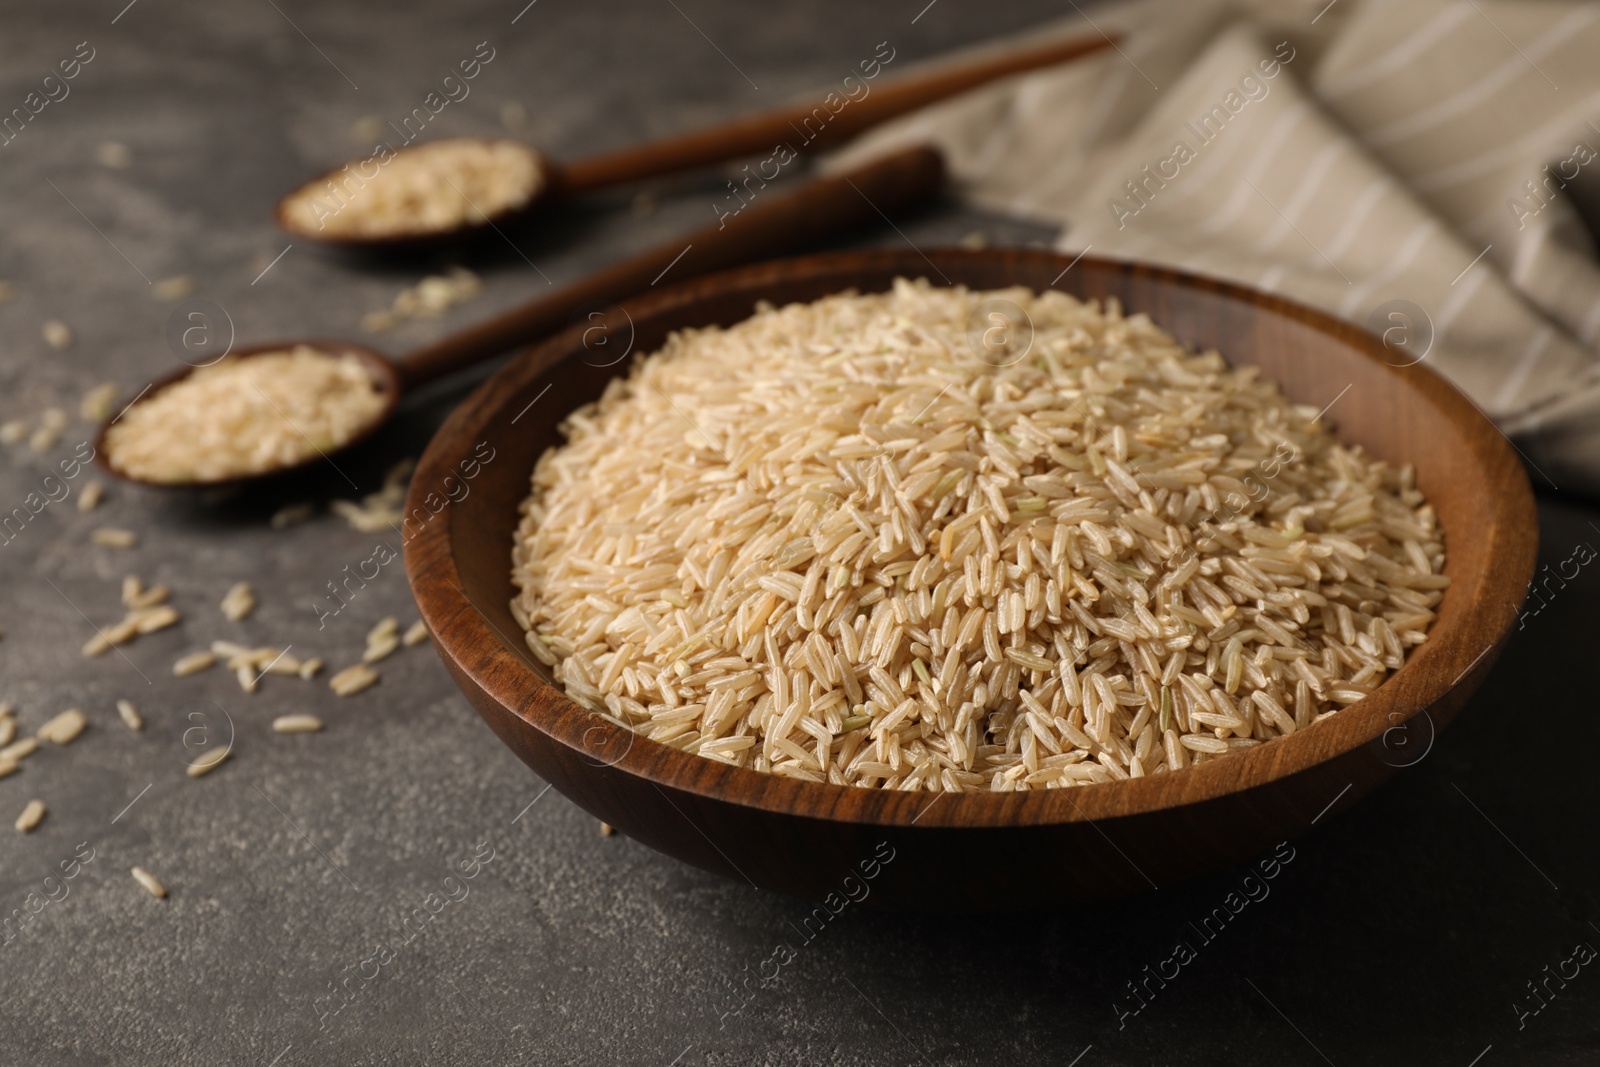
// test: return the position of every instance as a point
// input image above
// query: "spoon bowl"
(383, 373)
(342, 187)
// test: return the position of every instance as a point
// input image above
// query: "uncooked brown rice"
(130, 715)
(89, 499)
(63, 728)
(98, 402)
(245, 415)
(427, 188)
(296, 724)
(352, 680)
(18, 751)
(193, 663)
(208, 762)
(239, 602)
(31, 816)
(111, 537)
(57, 334)
(852, 542)
(151, 883)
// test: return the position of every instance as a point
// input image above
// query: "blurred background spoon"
(784, 222)
(511, 179)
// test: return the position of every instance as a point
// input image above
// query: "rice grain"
(239, 602)
(151, 883)
(193, 663)
(111, 537)
(18, 751)
(296, 724)
(208, 763)
(63, 728)
(352, 680)
(31, 816)
(130, 715)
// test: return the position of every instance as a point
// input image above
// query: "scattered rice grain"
(352, 680)
(193, 663)
(296, 724)
(151, 883)
(239, 602)
(18, 751)
(57, 334)
(209, 762)
(98, 403)
(111, 537)
(63, 728)
(89, 499)
(130, 715)
(31, 816)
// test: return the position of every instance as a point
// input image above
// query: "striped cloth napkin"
(1421, 167)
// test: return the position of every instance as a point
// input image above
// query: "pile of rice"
(426, 188)
(839, 542)
(245, 415)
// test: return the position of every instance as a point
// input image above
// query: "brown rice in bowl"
(864, 542)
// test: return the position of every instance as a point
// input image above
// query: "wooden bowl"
(965, 852)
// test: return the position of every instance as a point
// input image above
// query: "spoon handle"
(769, 226)
(811, 125)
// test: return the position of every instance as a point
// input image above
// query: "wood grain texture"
(968, 852)
(811, 125)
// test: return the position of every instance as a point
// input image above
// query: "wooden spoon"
(782, 223)
(783, 132)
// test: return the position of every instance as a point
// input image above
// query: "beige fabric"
(1368, 156)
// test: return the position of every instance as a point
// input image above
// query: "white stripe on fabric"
(1400, 56)
(1407, 251)
(1358, 216)
(1519, 374)
(1591, 323)
(1492, 84)
(1460, 299)
(1070, 162)
(1302, 196)
(1215, 163)
(1526, 252)
(1537, 145)
(1276, 137)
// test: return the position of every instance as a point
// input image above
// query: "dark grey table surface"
(1405, 931)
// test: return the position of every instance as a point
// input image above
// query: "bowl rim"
(471, 644)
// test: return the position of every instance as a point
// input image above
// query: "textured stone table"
(1404, 931)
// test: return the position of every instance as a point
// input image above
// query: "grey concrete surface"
(1406, 931)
